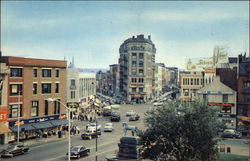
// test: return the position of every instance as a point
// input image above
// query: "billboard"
(198, 64)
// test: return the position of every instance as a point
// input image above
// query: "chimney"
(149, 37)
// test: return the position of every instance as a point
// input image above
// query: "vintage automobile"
(115, 116)
(89, 134)
(108, 127)
(130, 112)
(134, 117)
(231, 133)
(78, 151)
(14, 149)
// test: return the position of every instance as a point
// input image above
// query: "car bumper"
(7, 155)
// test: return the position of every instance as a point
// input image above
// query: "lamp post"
(55, 100)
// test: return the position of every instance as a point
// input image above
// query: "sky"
(92, 32)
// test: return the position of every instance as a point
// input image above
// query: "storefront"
(39, 127)
(4, 130)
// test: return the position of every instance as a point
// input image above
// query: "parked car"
(134, 117)
(130, 112)
(78, 151)
(108, 127)
(231, 133)
(158, 104)
(115, 116)
(89, 134)
(14, 149)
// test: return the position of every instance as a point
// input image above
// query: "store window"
(34, 109)
(46, 72)
(226, 109)
(16, 89)
(46, 88)
(16, 72)
(13, 110)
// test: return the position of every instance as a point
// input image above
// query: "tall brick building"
(30, 83)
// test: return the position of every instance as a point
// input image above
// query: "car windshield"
(75, 148)
(11, 147)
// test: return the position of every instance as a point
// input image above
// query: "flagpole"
(18, 118)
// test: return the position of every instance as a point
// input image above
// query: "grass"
(232, 157)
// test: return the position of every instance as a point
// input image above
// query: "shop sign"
(220, 104)
(37, 120)
(137, 95)
(3, 114)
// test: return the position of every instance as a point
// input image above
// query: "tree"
(180, 133)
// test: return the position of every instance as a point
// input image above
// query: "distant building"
(243, 99)
(190, 83)
(221, 96)
(137, 69)
(103, 82)
(160, 72)
(30, 83)
(114, 79)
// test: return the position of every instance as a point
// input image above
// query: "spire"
(73, 63)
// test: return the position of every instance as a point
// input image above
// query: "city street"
(107, 142)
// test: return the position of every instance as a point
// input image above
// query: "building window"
(34, 110)
(141, 55)
(140, 71)
(226, 109)
(141, 80)
(73, 82)
(34, 88)
(186, 92)
(57, 88)
(204, 96)
(35, 73)
(16, 72)
(247, 85)
(46, 88)
(191, 81)
(133, 80)
(13, 111)
(225, 98)
(141, 64)
(46, 107)
(57, 73)
(197, 80)
(57, 107)
(140, 89)
(134, 55)
(133, 89)
(16, 89)
(72, 94)
(133, 71)
(133, 63)
(46, 72)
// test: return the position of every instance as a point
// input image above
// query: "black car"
(115, 116)
(78, 151)
(231, 133)
(14, 149)
(89, 134)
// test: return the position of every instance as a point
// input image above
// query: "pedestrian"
(133, 133)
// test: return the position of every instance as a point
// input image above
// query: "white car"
(108, 127)
(93, 126)
(158, 104)
(130, 112)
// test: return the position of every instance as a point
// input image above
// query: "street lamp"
(55, 100)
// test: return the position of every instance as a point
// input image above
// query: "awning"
(59, 122)
(43, 125)
(26, 127)
(4, 129)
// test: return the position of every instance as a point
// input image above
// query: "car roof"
(109, 123)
